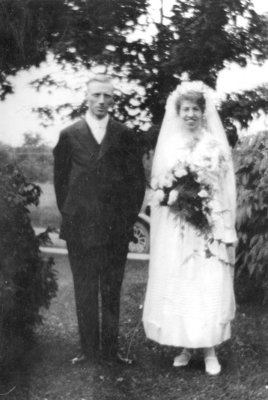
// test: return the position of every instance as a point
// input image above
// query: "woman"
(190, 300)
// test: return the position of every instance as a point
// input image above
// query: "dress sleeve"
(224, 202)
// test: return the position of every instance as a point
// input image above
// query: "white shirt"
(97, 126)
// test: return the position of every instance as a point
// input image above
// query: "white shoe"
(183, 359)
(212, 365)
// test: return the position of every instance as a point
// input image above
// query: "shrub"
(27, 281)
(252, 217)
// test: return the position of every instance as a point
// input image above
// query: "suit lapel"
(86, 138)
(110, 139)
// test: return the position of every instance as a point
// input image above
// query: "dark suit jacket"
(99, 188)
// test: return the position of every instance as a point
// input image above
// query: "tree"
(242, 107)
(35, 159)
(198, 40)
(74, 31)
(215, 35)
(203, 35)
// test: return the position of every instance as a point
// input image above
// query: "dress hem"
(221, 334)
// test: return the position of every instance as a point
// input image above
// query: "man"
(99, 185)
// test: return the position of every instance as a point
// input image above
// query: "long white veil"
(172, 128)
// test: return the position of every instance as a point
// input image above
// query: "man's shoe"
(117, 359)
(79, 359)
(123, 360)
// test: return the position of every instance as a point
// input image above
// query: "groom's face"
(100, 98)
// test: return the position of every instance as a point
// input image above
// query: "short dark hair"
(196, 97)
(103, 78)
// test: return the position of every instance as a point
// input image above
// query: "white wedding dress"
(190, 299)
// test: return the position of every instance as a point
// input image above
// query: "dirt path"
(47, 373)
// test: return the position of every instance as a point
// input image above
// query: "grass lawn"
(48, 375)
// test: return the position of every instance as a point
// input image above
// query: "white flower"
(154, 183)
(166, 180)
(173, 196)
(159, 195)
(202, 161)
(203, 193)
(194, 168)
(180, 171)
(191, 86)
(160, 181)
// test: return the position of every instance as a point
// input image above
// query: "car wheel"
(141, 238)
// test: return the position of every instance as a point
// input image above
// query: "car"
(139, 244)
(141, 231)
(141, 235)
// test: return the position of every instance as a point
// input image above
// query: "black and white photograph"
(134, 199)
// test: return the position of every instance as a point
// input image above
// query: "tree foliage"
(215, 34)
(35, 159)
(74, 31)
(242, 107)
(27, 30)
(199, 39)
(252, 209)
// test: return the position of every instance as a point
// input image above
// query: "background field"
(46, 213)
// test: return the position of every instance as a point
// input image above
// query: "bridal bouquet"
(185, 189)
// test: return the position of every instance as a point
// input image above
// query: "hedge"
(251, 158)
(27, 280)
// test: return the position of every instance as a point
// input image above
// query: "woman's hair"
(195, 97)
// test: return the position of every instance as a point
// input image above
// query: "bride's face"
(191, 115)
